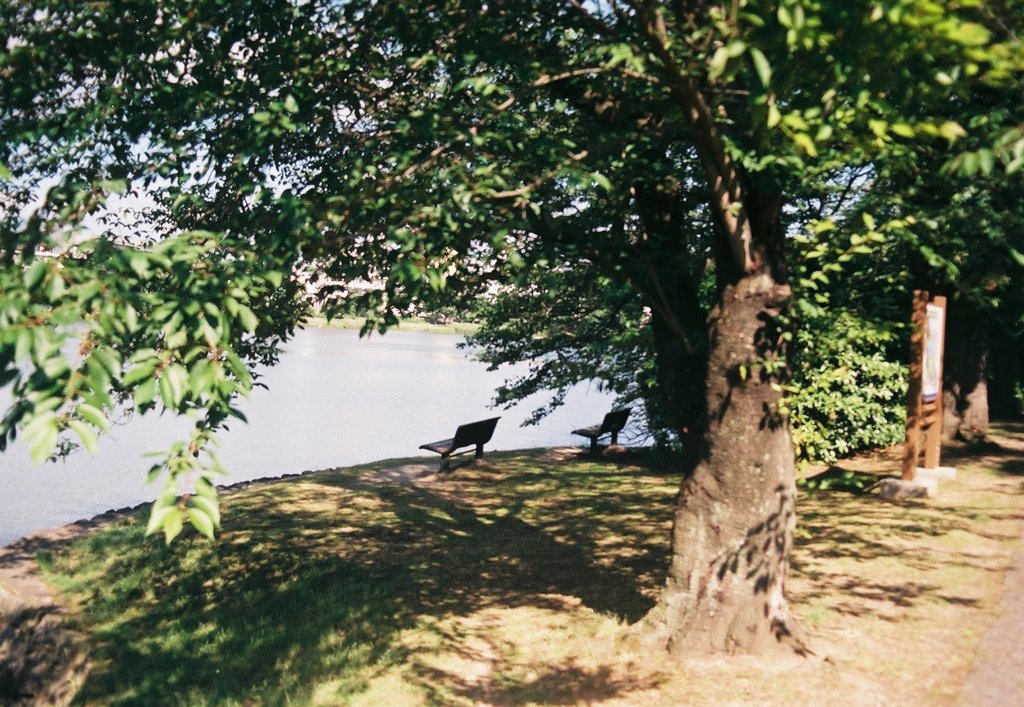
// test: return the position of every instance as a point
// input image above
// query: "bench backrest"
(474, 433)
(615, 421)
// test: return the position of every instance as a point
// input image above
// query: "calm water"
(334, 400)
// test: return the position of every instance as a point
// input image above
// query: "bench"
(471, 434)
(613, 423)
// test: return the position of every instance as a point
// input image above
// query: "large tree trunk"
(965, 375)
(734, 523)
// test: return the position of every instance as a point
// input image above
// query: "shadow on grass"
(561, 685)
(314, 580)
(836, 478)
(856, 553)
(316, 583)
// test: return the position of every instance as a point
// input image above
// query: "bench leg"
(615, 438)
(593, 445)
(446, 464)
(479, 451)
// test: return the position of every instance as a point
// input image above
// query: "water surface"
(334, 400)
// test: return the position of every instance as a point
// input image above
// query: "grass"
(513, 581)
(406, 324)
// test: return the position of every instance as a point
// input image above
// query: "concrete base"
(937, 472)
(899, 490)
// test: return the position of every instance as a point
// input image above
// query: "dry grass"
(513, 581)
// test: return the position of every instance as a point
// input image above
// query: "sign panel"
(931, 377)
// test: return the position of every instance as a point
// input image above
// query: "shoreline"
(409, 324)
(110, 515)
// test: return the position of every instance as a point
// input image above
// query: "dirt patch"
(42, 658)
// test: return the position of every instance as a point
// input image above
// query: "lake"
(334, 400)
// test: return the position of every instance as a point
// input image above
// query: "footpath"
(997, 677)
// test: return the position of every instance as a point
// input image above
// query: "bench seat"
(471, 434)
(612, 424)
(443, 447)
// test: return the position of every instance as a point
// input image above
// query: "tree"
(428, 146)
(967, 244)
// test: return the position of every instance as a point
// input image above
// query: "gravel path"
(997, 677)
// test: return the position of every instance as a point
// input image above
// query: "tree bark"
(734, 523)
(733, 528)
(965, 375)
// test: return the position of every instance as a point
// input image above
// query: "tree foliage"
(439, 146)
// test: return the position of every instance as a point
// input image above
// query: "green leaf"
(951, 130)
(206, 489)
(879, 127)
(85, 433)
(139, 263)
(109, 359)
(131, 318)
(114, 186)
(157, 516)
(208, 505)
(42, 434)
(716, 67)
(173, 524)
(56, 288)
(986, 161)
(970, 34)
(735, 48)
(761, 66)
(201, 376)
(200, 521)
(805, 143)
(145, 392)
(138, 372)
(247, 318)
(93, 415)
(34, 274)
(602, 181)
(208, 333)
(902, 129)
(173, 385)
(23, 344)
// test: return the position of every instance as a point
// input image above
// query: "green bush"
(849, 389)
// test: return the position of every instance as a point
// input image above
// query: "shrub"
(849, 391)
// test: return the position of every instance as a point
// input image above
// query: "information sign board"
(931, 375)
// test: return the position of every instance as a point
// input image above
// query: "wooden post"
(912, 445)
(933, 435)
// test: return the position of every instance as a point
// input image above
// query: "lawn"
(515, 580)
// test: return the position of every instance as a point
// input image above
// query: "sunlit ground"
(513, 581)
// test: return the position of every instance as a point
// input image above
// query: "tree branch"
(722, 175)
